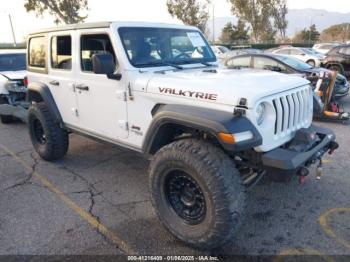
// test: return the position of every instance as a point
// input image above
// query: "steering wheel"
(182, 55)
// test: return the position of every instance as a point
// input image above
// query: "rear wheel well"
(34, 96)
(171, 132)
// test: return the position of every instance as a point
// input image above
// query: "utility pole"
(13, 31)
(213, 23)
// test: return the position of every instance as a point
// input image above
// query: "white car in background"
(303, 54)
(324, 48)
(12, 84)
(220, 51)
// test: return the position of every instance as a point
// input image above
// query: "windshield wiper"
(160, 63)
(173, 65)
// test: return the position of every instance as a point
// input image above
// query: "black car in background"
(338, 59)
(287, 65)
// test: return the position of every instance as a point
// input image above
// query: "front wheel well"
(171, 132)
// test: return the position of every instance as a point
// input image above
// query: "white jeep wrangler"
(156, 89)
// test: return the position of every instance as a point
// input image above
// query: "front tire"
(48, 138)
(197, 193)
(5, 119)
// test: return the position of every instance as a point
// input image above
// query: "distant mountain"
(298, 20)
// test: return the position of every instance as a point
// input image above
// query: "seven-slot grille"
(292, 110)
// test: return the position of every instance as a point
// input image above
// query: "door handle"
(54, 83)
(82, 87)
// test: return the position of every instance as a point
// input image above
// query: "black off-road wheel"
(5, 119)
(48, 138)
(197, 193)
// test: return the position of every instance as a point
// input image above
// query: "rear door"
(61, 74)
(101, 101)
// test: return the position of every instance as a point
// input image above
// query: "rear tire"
(5, 119)
(197, 193)
(48, 138)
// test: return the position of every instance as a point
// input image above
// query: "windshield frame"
(165, 63)
(15, 54)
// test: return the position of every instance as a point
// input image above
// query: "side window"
(61, 52)
(94, 44)
(268, 64)
(37, 52)
(295, 52)
(239, 62)
(345, 50)
(283, 52)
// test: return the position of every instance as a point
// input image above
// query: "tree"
(255, 12)
(234, 33)
(340, 32)
(190, 12)
(279, 13)
(66, 11)
(269, 34)
(310, 35)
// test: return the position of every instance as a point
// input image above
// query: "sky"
(127, 10)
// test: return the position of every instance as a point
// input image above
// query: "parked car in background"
(338, 59)
(12, 85)
(236, 52)
(302, 54)
(287, 65)
(219, 50)
(324, 48)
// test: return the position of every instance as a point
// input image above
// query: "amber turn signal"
(227, 138)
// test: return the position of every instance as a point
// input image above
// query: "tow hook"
(303, 173)
(332, 147)
(319, 170)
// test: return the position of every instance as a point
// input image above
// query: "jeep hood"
(12, 75)
(224, 86)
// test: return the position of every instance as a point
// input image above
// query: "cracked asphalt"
(95, 201)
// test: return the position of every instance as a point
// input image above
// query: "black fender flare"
(202, 119)
(40, 92)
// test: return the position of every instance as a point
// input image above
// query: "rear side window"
(268, 64)
(283, 52)
(345, 50)
(37, 52)
(61, 52)
(239, 62)
(295, 52)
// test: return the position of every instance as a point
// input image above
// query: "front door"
(102, 109)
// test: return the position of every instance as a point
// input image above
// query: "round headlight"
(260, 113)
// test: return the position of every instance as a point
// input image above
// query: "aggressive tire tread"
(223, 183)
(57, 140)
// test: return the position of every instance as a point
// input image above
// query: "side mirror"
(103, 64)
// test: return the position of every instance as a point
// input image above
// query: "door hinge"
(124, 125)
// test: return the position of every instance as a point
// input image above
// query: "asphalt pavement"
(95, 201)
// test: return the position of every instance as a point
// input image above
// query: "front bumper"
(282, 163)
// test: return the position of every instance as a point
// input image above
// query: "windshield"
(223, 49)
(294, 63)
(12, 62)
(146, 47)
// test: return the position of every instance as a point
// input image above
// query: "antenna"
(13, 32)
